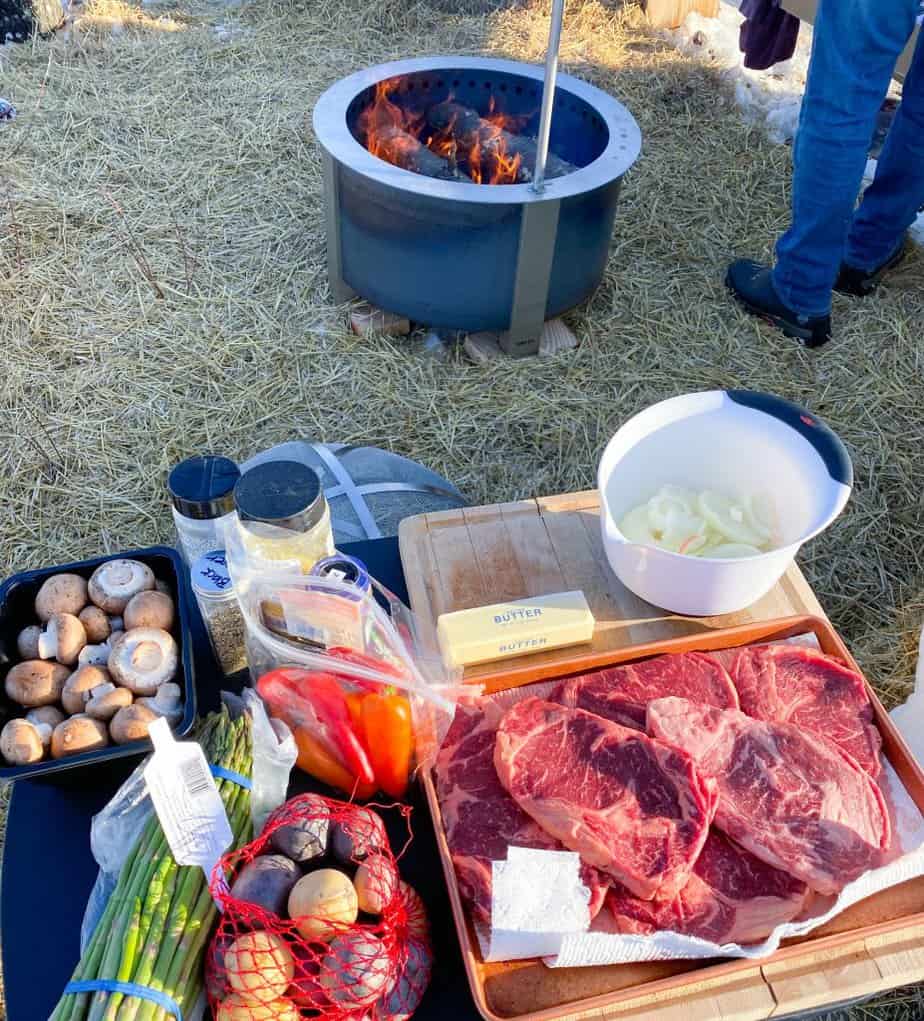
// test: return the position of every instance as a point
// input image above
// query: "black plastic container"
(17, 598)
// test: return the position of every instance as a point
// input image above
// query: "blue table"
(48, 869)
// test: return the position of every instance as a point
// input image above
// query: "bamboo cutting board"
(458, 559)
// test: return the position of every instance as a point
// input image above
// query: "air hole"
(455, 83)
(583, 115)
(410, 86)
(471, 84)
(519, 90)
(426, 83)
(503, 87)
(487, 85)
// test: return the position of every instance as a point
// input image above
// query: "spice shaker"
(202, 493)
(224, 619)
(283, 514)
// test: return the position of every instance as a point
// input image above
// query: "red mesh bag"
(316, 921)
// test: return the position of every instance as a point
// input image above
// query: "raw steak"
(622, 693)
(795, 800)
(794, 684)
(630, 806)
(480, 818)
(731, 897)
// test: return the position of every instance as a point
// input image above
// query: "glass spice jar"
(221, 611)
(284, 516)
(202, 494)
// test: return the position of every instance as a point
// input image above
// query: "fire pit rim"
(334, 135)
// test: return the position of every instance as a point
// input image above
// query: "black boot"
(861, 282)
(752, 285)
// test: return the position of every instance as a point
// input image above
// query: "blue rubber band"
(220, 773)
(109, 985)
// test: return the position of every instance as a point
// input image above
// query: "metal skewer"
(548, 94)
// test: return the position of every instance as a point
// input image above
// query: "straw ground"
(163, 291)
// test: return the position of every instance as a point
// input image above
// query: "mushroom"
(144, 660)
(106, 700)
(36, 682)
(78, 734)
(45, 718)
(116, 624)
(28, 642)
(149, 609)
(131, 723)
(21, 743)
(62, 639)
(95, 655)
(95, 623)
(116, 581)
(61, 593)
(168, 702)
(78, 686)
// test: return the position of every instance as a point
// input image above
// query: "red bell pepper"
(382, 666)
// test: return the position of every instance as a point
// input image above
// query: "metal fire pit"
(468, 256)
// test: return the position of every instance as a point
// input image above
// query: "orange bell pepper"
(389, 738)
(317, 761)
(354, 704)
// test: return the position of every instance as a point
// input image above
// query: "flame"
(396, 134)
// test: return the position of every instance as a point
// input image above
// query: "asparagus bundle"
(157, 922)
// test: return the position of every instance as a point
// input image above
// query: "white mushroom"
(116, 624)
(115, 582)
(106, 700)
(61, 593)
(36, 682)
(21, 743)
(78, 734)
(62, 639)
(144, 660)
(131, 723)
(27, 642)
(168, 702)
(77, 689)
(45, 718)
(149, 609)
(95, 623)
(95, 655)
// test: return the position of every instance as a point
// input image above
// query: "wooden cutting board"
(458, 559)
(454, 560)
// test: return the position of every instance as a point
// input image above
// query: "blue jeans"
(855, 47)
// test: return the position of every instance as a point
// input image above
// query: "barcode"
(195, 777)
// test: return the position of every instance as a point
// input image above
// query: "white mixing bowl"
(737, 442)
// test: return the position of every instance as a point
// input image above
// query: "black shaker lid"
(286, 494)
(203, 487)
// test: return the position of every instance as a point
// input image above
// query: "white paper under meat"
(595, 948)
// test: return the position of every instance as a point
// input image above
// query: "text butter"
(517, 628)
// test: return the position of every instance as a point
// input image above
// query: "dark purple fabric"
(768, 35)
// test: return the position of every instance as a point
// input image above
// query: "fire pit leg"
(538, 228)
(339, 288)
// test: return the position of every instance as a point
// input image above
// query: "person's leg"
(891, 203)
(855, 47)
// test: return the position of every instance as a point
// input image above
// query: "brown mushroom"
(45, 718)
(36, 682)
(62, 639)
(114, 583)
(131, 723)
(106, 700)
(144, 659)
(78, 734)
(95, 623)
(21, 743)
(27, 642)
(149, 609)
(61, 593)
(95, 655)
(167, 702)
(77, 689)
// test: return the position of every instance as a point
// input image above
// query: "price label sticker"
(186, 800)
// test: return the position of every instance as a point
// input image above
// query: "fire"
(478, 150)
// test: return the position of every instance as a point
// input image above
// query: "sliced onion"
(635, 526)
(667, 501)
(732, 550)
(727, 517)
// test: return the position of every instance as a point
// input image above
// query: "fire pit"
(430, 207)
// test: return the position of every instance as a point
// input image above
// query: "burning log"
(403, 150)
(466, 125)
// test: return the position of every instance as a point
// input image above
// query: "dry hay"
(169, 152)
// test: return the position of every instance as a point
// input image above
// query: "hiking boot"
(861, 282)
(752, 285)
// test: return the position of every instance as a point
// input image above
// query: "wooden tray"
(874, 945)
(454, 560)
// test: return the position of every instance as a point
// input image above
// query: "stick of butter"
(517, 628)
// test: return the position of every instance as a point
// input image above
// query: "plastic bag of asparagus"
(147, 949)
